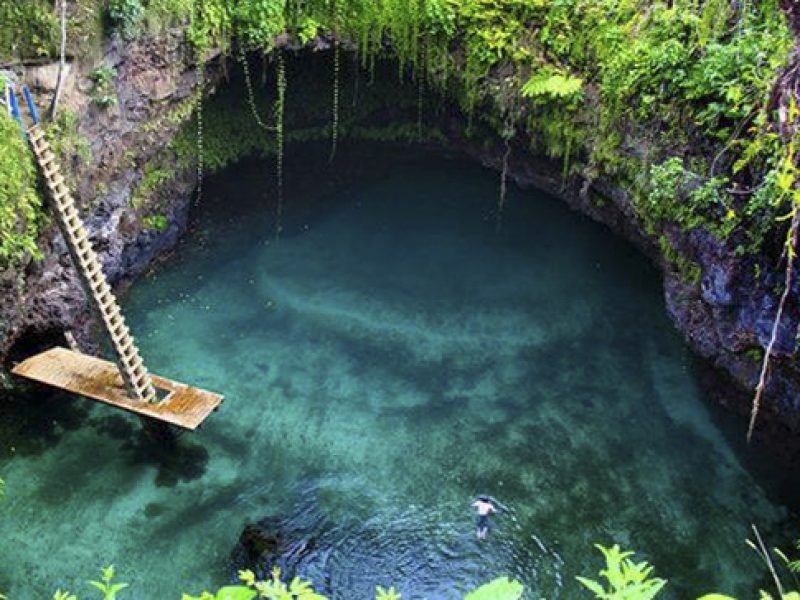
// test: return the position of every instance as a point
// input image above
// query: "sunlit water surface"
(392, 356)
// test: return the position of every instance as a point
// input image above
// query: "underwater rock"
(272, 542)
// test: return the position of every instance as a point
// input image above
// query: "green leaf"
(553, 83)
(593, 586)
(502, 588)
(384, 594)
(235, 592)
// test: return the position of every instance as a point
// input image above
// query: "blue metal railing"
(14, 107)
(31, 106)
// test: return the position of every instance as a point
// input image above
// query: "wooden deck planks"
(98, 379)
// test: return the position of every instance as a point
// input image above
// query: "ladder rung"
(93, 270)
(116, 325)
(115, 318)
(104, 306)
(84, 254)
(46, 160)
(58, 179)
(125, 345)
(130, 355)
(104, 292)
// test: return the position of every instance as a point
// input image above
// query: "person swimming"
(485, 507)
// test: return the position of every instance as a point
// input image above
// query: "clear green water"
(387, 360)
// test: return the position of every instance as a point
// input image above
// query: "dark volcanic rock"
(153, 78)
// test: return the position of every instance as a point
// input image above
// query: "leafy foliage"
(29, 29)
(298, 589)
(384, 594)
(126, 17)
(552, 83)
(156, 222)
(502, 588)
(102, 91)
(20, 206)
(586, 81)
(626, 580)
(106, 585)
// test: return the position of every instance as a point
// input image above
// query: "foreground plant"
(793, 567)
(298, 589)
(106, 585)
(626, 579)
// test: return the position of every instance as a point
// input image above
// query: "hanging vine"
(501, 200)
(507, 134)
(280, 104)
(199, 113)
(251, 98)
(762, 379)
(420, 73)
(788, 181)
(336, 74)
(198, 110)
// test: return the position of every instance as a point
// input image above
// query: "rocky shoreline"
(725, 317)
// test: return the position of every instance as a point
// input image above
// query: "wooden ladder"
(134, 374)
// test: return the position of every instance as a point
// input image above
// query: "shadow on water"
(779, 476)
(34, 418)
(175, 461)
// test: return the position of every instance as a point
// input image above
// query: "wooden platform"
(183, 406)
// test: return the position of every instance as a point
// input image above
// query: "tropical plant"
(298, 589)
(625, 579)
(20, 206)
(552, 83)
(384, 594)
(126, 17)
(502, 588)
(106, 585)
(102, 91)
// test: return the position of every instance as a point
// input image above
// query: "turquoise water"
(389, 358)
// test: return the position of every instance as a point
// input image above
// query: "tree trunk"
(62, 63)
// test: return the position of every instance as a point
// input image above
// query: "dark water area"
(391, 356)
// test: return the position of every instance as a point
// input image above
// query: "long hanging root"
(280, 104)
(199, 112)
(762, 380)
(251, 98)
(421, 73)
(501, 200)
(335, 109)
(508, 135)
(336, 74)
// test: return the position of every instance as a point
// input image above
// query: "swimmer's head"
(484, 498)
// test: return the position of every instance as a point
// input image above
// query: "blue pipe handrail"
(14, 107)
(31, 106)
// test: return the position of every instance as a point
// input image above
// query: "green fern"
(553, 83)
